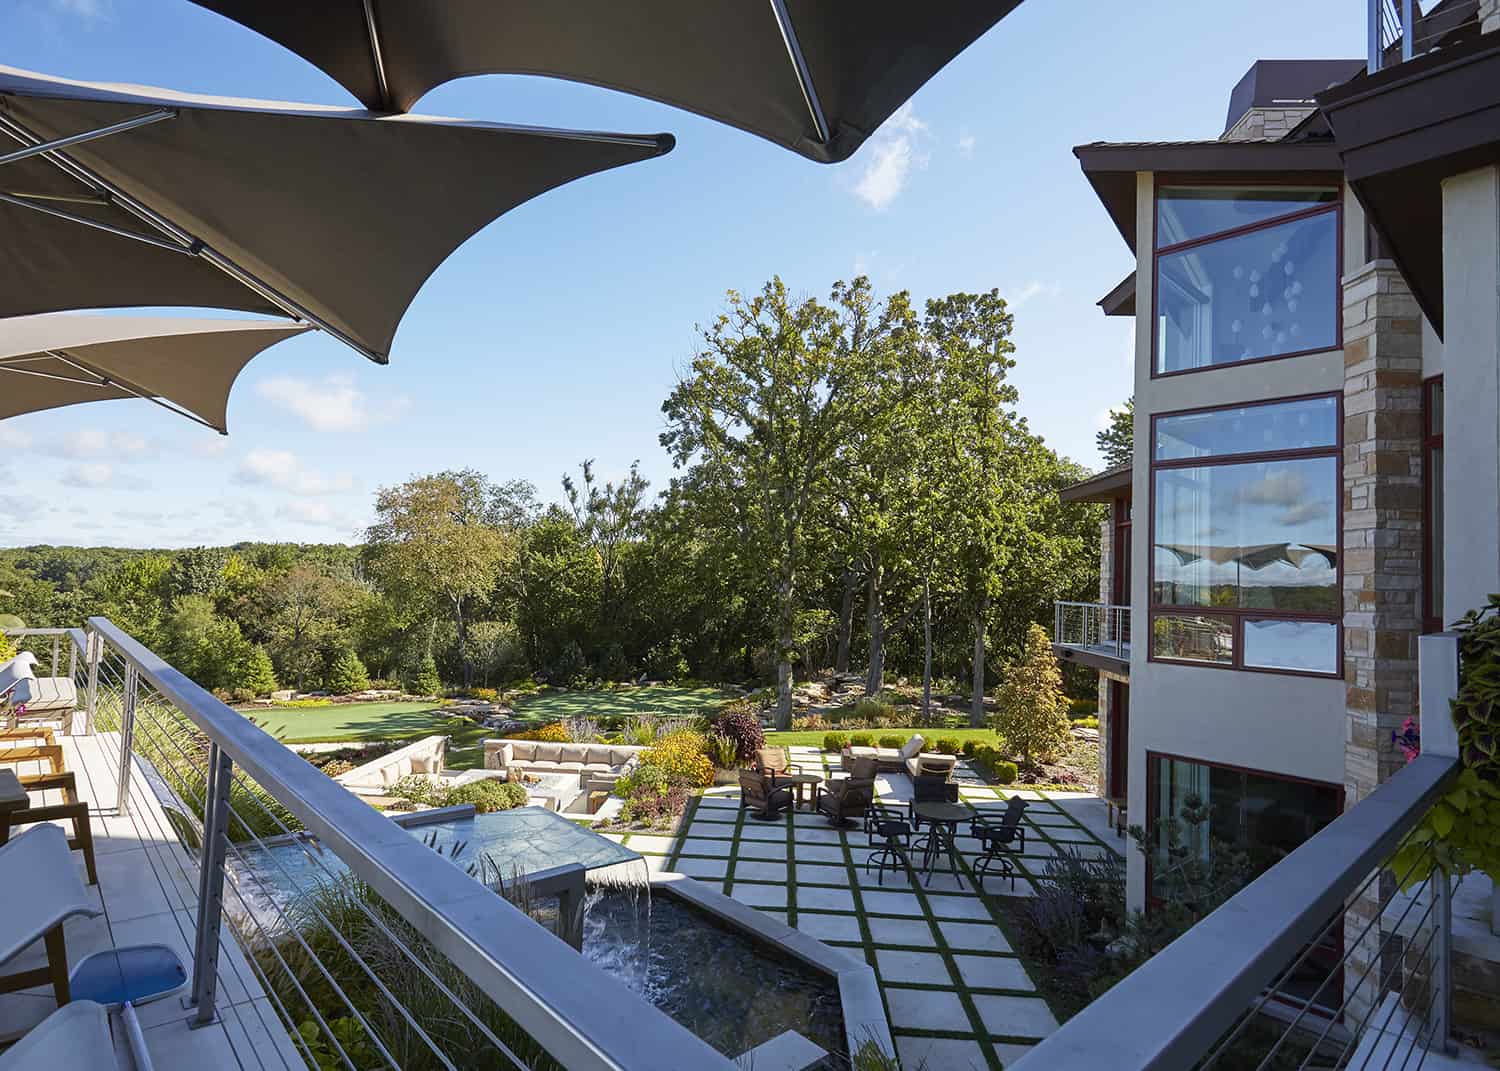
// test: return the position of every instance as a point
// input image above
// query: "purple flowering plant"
(1409, 739)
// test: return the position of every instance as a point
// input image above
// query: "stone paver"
(956, 994)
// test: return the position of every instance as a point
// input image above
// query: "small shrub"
(338, 767)
(809, 723)
(872, 707)
(680, 757)
(1005, 772)
(417, 788)
(861, 740)
(484, 695)
(581, 729)
(641, 730)
(553, 733)
(1086, 723)
(971, 747)
(892, 740)
(835, 741)
(384, 684)
(486, 796)
(740, 723)
(946, 746)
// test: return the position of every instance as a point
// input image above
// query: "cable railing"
(1336, 957)
(1399, 30)
(371, 950)
(1092, 626)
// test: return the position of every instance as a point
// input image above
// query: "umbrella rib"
(799, 64)
(55, 144)
(110, 380)
(50, 375)
(373, 30)
(98, 225)
(193, 244)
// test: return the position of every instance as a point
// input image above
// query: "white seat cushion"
(913, 746)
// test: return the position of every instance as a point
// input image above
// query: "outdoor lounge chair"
(1000, 841)
(845, 800)
(21, 690)
(71, 809)
(75, 1037)
(42, 891)
(761, 797)
(774, 762)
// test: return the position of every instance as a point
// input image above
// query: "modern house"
(1316, 295)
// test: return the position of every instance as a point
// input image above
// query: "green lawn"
(814, 737)
(655, 699)
(351, 721)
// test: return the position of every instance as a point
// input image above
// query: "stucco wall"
(1286, 724)
(1471, 389)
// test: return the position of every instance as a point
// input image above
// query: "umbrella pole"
(190, 243)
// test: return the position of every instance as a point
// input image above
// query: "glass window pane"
(1435, 533)
(1262, 294)
(1186, 212)
(1305, 646)
(1306, 424)
(1193, 637)
(1250, 536)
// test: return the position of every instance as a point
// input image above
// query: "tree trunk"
(976, 699)
(785, 629)
(875, 624)
(846, 622)
(463, 647)
(926, 651)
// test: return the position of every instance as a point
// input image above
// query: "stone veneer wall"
(1382, 547)
(1266, 124)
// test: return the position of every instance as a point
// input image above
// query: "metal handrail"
(1170, 1011)
(1092, 626)
(583, 1017)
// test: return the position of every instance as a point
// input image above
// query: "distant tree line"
(854, 489)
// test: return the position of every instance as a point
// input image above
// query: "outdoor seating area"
(907, 899)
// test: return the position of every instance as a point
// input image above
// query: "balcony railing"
(464, 978)
(1098, 628)
(1399, 31)
(1221, 995)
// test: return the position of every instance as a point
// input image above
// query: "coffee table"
(800, 783)
(944, 819)
(555, 791)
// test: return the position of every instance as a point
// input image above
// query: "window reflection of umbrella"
(1252, 556)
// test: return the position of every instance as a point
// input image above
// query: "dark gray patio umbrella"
(187, 366)
(334, 216)
(817, 76)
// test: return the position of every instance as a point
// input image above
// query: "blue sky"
(555, 334)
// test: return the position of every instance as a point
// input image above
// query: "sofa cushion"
(551, 753)
(861, 752)
(597, 767)
(522, 750)
(507, 755)
(599, 755)
(570, 767)
(618, 756)
(913, 746)
(578, 753)
(541, 764)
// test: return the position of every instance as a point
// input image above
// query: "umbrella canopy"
(817, 76)
(1254, 556)
(187, 366)
(331, 215)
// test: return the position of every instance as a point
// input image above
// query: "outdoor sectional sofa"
(909, 759)
(599, 765)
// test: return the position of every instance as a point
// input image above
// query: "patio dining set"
(900, 836)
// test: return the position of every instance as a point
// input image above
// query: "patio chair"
(43, 891)
(761, 797)
(75, 1036)
(843, 801)
(931, 788)
(39, 697)
(71, 809)
(774, 762)
(893, 845)
(1000, 841)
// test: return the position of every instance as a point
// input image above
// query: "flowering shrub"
(1409, 740)
(741, 724)
(680, 757)
(651, 794)
(555, 733)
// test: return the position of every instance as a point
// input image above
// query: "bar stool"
(891, 839)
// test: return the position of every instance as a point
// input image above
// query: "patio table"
(944, 819)
(800, 783)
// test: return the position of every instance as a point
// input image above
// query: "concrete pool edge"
(859, 992)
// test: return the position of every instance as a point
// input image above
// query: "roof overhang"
(1121, 300)
(1401, 132)
(1105, 487)
(1111, 167)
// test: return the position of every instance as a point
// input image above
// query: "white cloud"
(96, 474)
(210, 445)
(1016, 298)
(118, 446)
(283, 470)
(331, 404)
(892, 155)
(966, 143)
(13, 439)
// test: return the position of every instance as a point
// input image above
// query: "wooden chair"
(42, 892)
(761, 797)
(73, 809)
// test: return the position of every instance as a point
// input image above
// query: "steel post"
(127, 735)
(211, 857)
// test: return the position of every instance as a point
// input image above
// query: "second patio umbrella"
(184, 365)
(817, 76)
(114, 196)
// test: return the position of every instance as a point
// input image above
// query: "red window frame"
(1238, 615)
(1336, 206)
(1432, 441)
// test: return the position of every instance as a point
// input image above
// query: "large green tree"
(1116, 440)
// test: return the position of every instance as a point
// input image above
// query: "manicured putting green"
(351, 721)
(654, 699)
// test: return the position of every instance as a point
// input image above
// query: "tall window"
(1245, 536)
(1244, 274)
(1432, 505)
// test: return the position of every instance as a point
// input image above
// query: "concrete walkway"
(956, 994)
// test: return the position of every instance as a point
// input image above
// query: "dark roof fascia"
(1121, 300)
(1111, 167)
(1403, 130)
(1105, 487)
